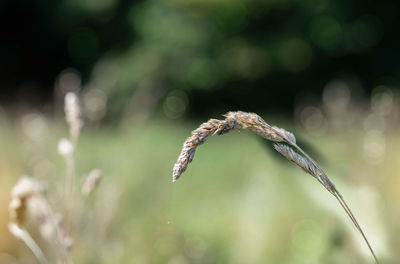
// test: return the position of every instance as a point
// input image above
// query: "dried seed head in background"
(73, 114)
(25, 189)
(65, 148)
(254, 123)
(91, 181)
(28, 199)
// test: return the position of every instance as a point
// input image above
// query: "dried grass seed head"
(233, 120)
(21, 193)
(198, 137)
(28, 198)
(297, 159)
(72, 111)
(91, 181)
(65, 148)
(256, 124)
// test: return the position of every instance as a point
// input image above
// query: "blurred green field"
(238, 202)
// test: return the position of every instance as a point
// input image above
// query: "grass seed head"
(91, 181)
(254, 123)
(72, 111)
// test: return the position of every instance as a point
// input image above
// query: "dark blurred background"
(216, 55)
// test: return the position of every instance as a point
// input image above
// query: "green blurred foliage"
(236, 203)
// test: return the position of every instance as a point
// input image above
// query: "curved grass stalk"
(254, 123)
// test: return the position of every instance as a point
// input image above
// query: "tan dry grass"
(29, 200)
(290, 150)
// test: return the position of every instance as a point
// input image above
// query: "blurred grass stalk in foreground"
(29, 196)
